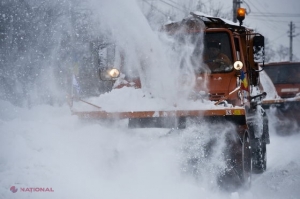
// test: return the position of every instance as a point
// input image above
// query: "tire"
(259, 155)
(240, 164)
(258, 148)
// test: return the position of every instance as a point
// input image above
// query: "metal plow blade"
(286, 113)
(166, 119)
(281, 103)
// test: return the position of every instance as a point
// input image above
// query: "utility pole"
(291, 35)
(236, 5)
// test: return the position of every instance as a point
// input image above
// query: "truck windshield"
(217, 52)
(284, 73)
(212, 51)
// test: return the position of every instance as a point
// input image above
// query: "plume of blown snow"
(161, 66)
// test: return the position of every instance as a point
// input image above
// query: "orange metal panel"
(149, 114)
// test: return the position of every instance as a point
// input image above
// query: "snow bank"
(46, 147)
(130, 99)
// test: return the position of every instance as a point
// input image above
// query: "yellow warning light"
(241, 12)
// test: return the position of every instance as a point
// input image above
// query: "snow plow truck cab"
(233, 90)
(285, 102)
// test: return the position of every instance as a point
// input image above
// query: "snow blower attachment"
(285, 101)
(226, 89)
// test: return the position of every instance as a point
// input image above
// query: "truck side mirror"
(259, 48)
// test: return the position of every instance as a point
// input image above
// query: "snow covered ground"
(46, 147)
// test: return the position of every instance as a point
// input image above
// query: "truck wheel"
(240, 166)
(259, 155)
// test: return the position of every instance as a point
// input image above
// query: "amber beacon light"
(241, 12)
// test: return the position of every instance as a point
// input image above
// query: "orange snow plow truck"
(285, 102)
(231, 93)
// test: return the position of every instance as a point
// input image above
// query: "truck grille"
(216, 96)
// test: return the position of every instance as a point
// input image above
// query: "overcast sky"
(270, 25)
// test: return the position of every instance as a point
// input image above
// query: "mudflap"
(239, 164)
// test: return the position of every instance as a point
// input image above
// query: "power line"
(268, 23)
(284, 34)
(273, 15)
(259, 2)
(276, 21)
(267, 17)
(249, 10)
(297, 39)
(276, 13)
(281, 13)
(173, 6)
(269, 13)
(175, 3)
(152, 6)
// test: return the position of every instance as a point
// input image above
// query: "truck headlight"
(114, 73)
(109, 74)
(238, 65)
